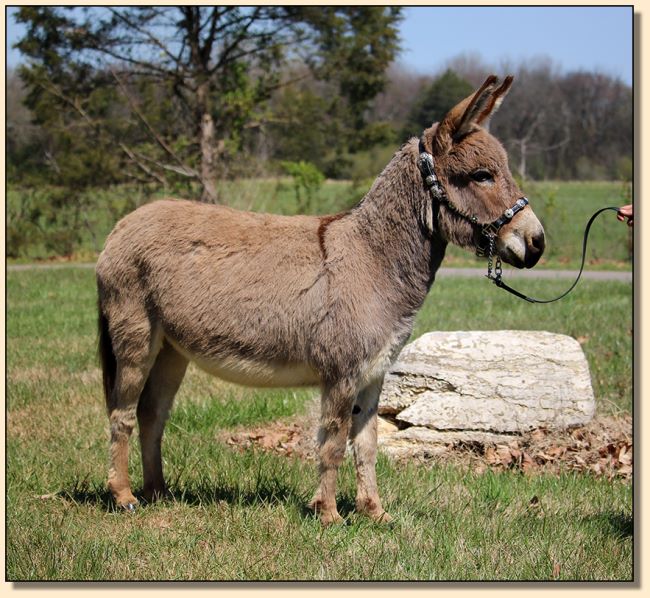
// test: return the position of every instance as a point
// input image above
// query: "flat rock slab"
(417, 441)
(506, 381)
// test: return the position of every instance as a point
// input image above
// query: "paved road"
(511, 273)
(508, 273)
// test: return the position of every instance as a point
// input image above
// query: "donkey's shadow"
(206, 493)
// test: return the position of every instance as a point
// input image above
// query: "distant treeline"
(280, 86)
(554, 126)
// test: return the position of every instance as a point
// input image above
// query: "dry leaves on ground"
(603, 447)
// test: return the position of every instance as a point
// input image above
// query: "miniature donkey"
(267, 300)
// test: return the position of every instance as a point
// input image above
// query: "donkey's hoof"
(372, 508)
(381, 517)
(128, 504)
(127, 507)
(328, 518)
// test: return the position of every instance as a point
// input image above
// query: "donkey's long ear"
(494, 103)
(468, 115)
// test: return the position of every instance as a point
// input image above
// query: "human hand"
(625, 212)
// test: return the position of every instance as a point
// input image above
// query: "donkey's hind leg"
(363, 435)
(134, 354)
(156, 401)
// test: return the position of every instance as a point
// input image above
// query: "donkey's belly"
(250, 372)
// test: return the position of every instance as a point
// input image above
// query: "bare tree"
(402, 89)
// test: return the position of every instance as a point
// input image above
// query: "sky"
(574, 38)
(592, 38)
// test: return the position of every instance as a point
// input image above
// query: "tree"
(535, 125)
(600, 125)
(220, 65)
(393, 105)
(435, 101)
(23, 136)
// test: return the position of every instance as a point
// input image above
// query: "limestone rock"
(417, 441)
(384, 427)
(501, 381)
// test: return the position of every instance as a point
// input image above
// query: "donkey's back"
(236, 292)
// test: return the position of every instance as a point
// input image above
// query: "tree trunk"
(208, 149)
(522, 159)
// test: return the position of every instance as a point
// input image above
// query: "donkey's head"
(476, 183)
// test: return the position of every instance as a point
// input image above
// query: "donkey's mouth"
(522, 249)
(512, 258)
(524, 256)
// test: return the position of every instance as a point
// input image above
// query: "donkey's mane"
(399, 178)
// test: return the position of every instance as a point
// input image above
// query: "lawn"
(563, 208)
(240, 514)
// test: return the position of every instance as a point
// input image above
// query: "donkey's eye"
(482, 176)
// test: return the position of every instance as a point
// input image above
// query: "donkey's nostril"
(538, 243)
(534, 249)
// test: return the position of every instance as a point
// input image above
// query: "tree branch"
(157, 138)
(143, 167)
(184, 170)
(144, 32)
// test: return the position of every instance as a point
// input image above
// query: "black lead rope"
(497, 279)
(488, 231)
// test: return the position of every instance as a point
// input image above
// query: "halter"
(488, 231)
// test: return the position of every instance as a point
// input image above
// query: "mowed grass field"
(563, 208)
(240, 514)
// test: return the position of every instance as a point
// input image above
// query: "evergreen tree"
(220, 65)
(435, 100)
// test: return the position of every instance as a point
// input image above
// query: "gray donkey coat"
(267, 300)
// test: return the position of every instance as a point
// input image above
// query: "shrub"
(307, 180)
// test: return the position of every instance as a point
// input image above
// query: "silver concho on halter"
(425, 164)
(510, 212)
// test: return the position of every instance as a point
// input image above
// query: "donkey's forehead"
(478, 148)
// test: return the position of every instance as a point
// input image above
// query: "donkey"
(267, 300)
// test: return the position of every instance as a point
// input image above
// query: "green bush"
(44, 220)
(307, 180)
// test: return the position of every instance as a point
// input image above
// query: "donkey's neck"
(392, 220)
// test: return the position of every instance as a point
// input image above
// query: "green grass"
(563, 207)
(241, 514)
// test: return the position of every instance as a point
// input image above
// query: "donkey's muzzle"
(522, 242)
(535, 244)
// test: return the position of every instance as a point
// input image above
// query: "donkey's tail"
(106, 356)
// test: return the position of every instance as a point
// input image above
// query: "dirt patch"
(602, 448)
(292, 438)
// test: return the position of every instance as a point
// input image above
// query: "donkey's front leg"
(363, 435)
(336, 407)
